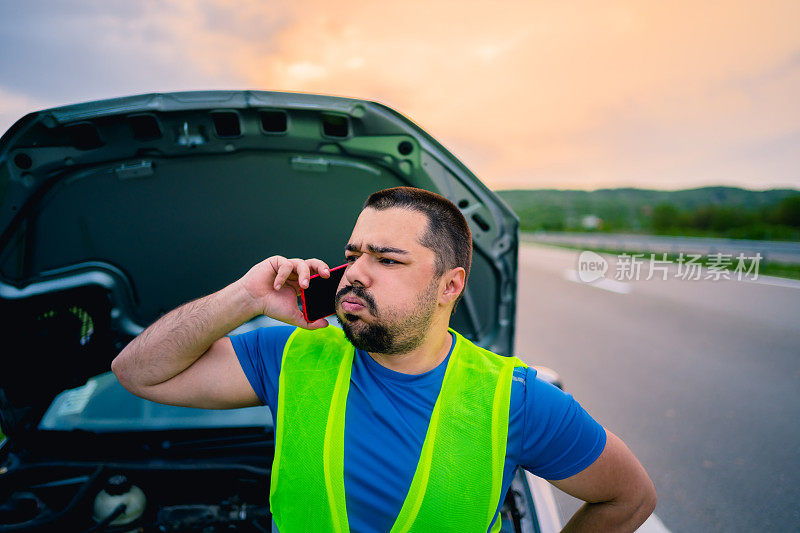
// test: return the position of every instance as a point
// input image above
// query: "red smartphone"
(319, 299)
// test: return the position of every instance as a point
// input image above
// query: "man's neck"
(424, 358)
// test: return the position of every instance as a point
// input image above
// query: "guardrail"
(778, 251)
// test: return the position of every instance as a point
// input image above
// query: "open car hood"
(116, 211)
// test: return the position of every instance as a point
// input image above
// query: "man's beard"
(385, 338)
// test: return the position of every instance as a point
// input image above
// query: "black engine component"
(229, 515)
(21, 507)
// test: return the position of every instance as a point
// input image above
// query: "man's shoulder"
(519, 385)
(261, 339)
(486, 353)
(528, 387)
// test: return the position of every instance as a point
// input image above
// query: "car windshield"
(104, 405)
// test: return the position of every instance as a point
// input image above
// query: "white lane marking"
(653, 525)
(620, 287)
(775, 282)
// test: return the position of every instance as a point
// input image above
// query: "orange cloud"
(533, 94)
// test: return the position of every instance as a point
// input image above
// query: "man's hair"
(447, 234)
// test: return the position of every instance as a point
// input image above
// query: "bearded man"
(395, 422)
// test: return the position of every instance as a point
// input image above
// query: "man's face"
(388, 294)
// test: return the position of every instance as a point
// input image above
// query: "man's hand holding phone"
(275, 283)
(319, 298)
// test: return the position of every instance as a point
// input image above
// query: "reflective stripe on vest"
(457, 483)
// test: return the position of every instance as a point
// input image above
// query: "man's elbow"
(648, 499)
(117, 368)
(121, 369)
(636, 504)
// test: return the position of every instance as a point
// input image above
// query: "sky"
(530, 94)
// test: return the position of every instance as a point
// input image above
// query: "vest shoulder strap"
(458, 480)
(307, 480)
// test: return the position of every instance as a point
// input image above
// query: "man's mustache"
(358, 292)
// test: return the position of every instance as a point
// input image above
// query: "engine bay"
(121, 498)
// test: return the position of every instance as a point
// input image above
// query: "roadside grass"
(765, 267)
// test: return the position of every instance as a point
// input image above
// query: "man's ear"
(451, 285)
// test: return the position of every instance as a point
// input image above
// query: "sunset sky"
(528, 94)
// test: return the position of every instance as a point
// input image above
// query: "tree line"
(708, 211)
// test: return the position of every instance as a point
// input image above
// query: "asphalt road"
(701, 378)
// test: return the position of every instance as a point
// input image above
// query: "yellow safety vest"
(456, 486)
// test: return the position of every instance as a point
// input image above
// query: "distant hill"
(720, 211)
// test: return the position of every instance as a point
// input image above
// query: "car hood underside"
(114, 212)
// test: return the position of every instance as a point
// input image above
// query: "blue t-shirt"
(387, 416)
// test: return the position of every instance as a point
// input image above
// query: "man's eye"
(350, 258)
(387, 261)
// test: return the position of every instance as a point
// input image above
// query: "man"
(397, 423)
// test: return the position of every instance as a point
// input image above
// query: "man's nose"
(357, 272)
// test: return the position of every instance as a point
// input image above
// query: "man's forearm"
(622, 493)
(179, 338)
(609, 516)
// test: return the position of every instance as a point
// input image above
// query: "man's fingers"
(320, 267)
(317, 324)
(289, 269)
(284, 270)
(303, 272)
(299, 320)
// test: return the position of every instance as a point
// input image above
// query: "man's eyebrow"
(376, 249)
(385, 250)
